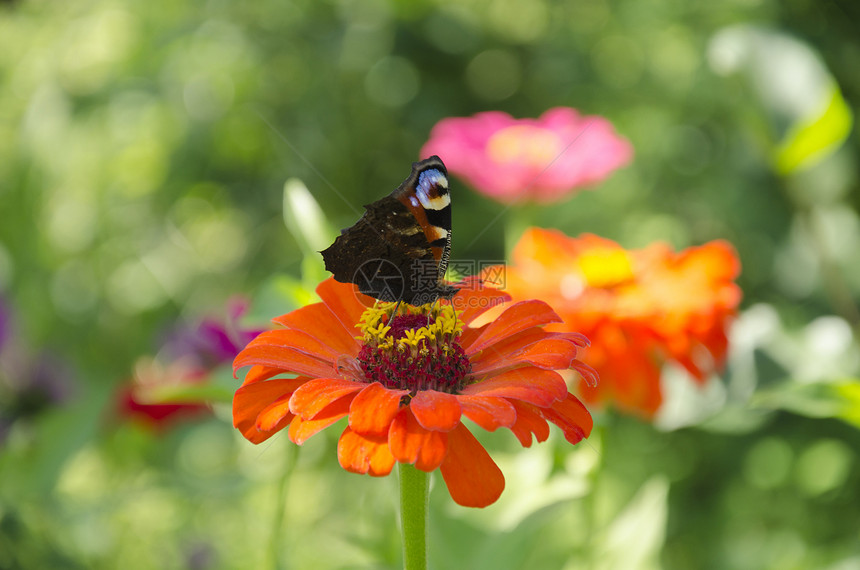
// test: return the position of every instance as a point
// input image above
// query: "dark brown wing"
(393, 252)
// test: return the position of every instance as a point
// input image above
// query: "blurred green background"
(144, 148)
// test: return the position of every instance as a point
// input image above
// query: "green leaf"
(305, 219)
(839, 399)
(635, 537)
(813, 138)
(849, 393)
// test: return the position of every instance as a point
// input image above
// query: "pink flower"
(543, 159)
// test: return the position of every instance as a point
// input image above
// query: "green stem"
(591, 500)
(414, 495)
(276, 539)
(520, 218)
(836, 288)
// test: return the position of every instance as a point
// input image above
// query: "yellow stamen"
(375, 326)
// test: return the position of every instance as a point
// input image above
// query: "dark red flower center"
(412, 364)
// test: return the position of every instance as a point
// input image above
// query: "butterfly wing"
(378, 252)
(399, 249)
(425, 194)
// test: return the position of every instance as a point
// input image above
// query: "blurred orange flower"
(406, 382)
(640, 308)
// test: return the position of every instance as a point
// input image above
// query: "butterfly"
(399, 249)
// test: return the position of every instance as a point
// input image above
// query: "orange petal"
(512, 344)
(516, 318)
(360, 454)
(472, 477)
(630, 379)
(488, 412)
(527, 337)
(579, 339)
(572, 417)
(436, 411)
(717, 259)
(318, 321)
(589, 374)
(259, 373)
(470, 335)
(539, 387)
(274, 413)
(312, 397)
(411, 443)
(301, 430)
(250, 400)
(475, 302)
(372, 410)
(529, 421)
(286, 359)
(552, 353)
(523, 339)
(548, 354)
(296, 340)
(344, 301)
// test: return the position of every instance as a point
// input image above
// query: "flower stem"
(414, 496)
(520, 218)
(276, 539)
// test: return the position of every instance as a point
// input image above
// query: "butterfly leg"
(436, 306)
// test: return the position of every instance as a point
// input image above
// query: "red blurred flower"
(408, 380)
(158, 395)
(639, 308)
(544, 160)
(139, 400)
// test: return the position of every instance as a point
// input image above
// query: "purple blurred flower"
(187, 359)
(29, 384)
(213, 342)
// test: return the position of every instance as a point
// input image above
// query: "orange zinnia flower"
(408, 379)
(639, 308)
